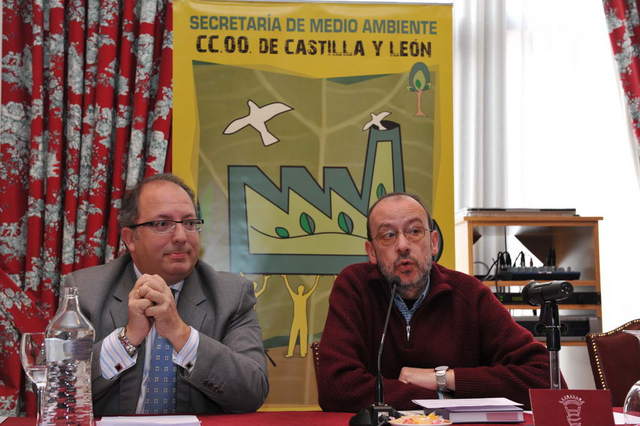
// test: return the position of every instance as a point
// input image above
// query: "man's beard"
(405, 289)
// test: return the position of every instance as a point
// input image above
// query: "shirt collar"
(402, 306)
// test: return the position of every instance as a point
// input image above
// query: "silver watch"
(441, 378)
(126, 343)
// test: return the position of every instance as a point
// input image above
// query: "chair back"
(615, 360)
(315, 351)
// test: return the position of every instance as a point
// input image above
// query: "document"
(149, 420)
(465, 402)
(620, 419)
(473, 410)
(485, 414)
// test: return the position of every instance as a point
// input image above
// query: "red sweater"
(460, 324)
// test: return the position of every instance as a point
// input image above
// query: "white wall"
(575, 367)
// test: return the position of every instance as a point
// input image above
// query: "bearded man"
(448, 335)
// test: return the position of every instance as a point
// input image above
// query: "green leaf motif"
(381, 191)
(419, 80)
(419, 77)
(307, 224)
(345, 223)
(282, 232)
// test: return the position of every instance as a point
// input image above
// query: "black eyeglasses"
(413, 234)
(165, 226)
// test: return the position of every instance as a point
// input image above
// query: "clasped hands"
(425, 377)
(151, 302)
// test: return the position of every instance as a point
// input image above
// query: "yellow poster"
(292, 119)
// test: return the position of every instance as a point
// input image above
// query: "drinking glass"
(34, 362)
(632, 401)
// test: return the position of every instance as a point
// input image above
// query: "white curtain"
(535, 95)
(479, 102)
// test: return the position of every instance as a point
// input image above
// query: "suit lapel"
(118, 308)
(190, 299)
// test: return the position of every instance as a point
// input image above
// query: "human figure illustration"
(299, 323)
(265, 279)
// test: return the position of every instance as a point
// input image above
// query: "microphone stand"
(547, 295)
(378, 413)
(550, 321)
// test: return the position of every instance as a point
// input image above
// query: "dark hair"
(129, 210)
(399, 194)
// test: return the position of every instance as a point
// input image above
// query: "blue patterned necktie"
(161, 384)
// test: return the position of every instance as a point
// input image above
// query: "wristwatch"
(126, 343)
(441, 378)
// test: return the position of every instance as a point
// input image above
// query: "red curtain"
(624, 32)
(85, 113)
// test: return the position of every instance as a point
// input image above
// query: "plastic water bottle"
(69, 341)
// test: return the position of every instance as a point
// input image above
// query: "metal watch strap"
(126, 343)
(441, 378)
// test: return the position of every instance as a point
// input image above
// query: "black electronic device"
(536, 273)
(574, 327)
(581, 298)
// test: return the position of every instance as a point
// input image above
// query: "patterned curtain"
(85, 114)
(623, 20)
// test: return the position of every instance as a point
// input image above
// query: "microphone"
(546, 295)
(395, 281)
(379, 412)
(553, 291)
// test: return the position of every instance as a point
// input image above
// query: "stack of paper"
(149, 420)
(471, 410)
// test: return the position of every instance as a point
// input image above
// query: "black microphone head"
(536, 293)
(565, 289)
(525, 292)
(394, 281)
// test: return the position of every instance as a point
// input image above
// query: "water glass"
(632, 401)
(34, 362)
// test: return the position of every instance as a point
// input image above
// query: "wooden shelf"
(575, 283)
(572, 343)
(574, 239)
(560, 306)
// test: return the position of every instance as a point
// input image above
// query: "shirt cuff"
(114, 358)
(186, 358)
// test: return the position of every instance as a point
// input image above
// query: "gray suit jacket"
(230, 373)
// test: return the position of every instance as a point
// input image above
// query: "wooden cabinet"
(572, 239)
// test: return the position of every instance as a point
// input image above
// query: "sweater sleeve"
(512, 360)
(347, 365)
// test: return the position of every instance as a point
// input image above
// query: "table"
(275, 418)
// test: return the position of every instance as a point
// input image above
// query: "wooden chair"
(615, 360)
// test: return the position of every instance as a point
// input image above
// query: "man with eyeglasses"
(173, 335)
(448, 335)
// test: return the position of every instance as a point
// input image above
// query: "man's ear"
(126, 235)
(371, 252)
(435, 242)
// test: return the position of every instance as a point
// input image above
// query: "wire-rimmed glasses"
(165, 226)
(413, 234)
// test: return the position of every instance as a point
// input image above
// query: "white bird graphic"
(257, 118)
(376, 120)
